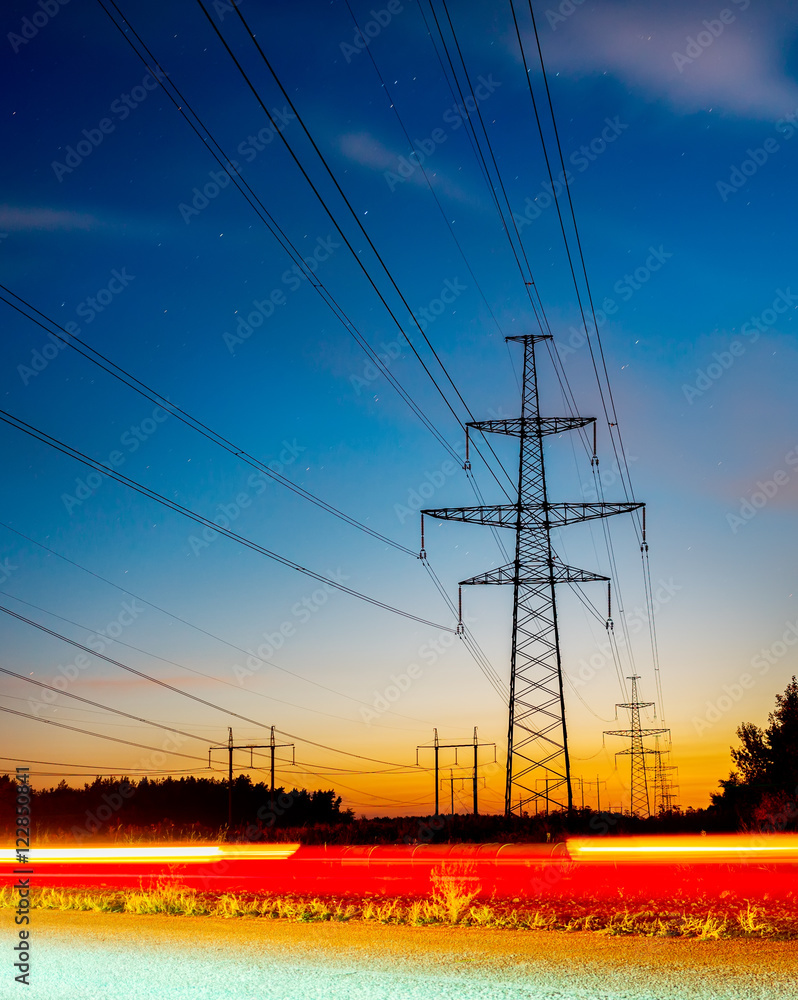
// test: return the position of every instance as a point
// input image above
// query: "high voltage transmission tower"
(664, 788)
(537, 741)
(640, 804)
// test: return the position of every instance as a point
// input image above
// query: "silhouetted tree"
(763, 789)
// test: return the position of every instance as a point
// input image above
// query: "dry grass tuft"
(451, 903)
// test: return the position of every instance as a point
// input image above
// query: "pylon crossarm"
(533, 575)
(515, 426)
(532, 515)
(498, 516)
(628, 733)
(529, 338)
(557, 515)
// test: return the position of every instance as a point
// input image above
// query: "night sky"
(676, 122)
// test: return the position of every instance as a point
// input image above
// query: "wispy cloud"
(367, 151)
(17, 219)
(737, 67)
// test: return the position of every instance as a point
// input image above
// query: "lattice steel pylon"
(537, 742)
(664, 788)
(640, 802)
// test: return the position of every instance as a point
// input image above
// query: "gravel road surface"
(126, 957)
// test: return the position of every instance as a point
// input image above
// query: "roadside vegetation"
(449, 905)
(761, 793)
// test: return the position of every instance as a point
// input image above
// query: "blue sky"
(675, 126)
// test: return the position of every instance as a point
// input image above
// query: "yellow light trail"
(135, 855)
(783, 846)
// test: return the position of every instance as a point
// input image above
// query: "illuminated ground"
(102, 956)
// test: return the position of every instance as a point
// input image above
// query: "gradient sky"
(701, 355)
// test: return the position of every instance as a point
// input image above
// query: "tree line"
(761, 793)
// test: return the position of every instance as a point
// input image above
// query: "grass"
(450, 904)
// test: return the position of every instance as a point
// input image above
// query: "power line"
(176, 690)
(65, 449)
(99, 770)
(531, 288)
(212, 146)
(622, 465)
(182, 621)
(581, 255)
(97, 704)
(100, 736)
(193, 422)
(393, 107)
(474, 485)
(562, 378)
(219, 680)
(124, 666)
(354, 215)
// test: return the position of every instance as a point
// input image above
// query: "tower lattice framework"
(538, 767)
(665, 790)
(640, 798)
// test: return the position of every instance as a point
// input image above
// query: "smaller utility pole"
(272, 747)
(598, 783)
(451, 780)
(437, 747)
(230, 748)
(545, 781)
(476, 780)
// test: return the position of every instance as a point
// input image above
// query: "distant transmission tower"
(664, 788)
(641, 804)
(537, 743)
